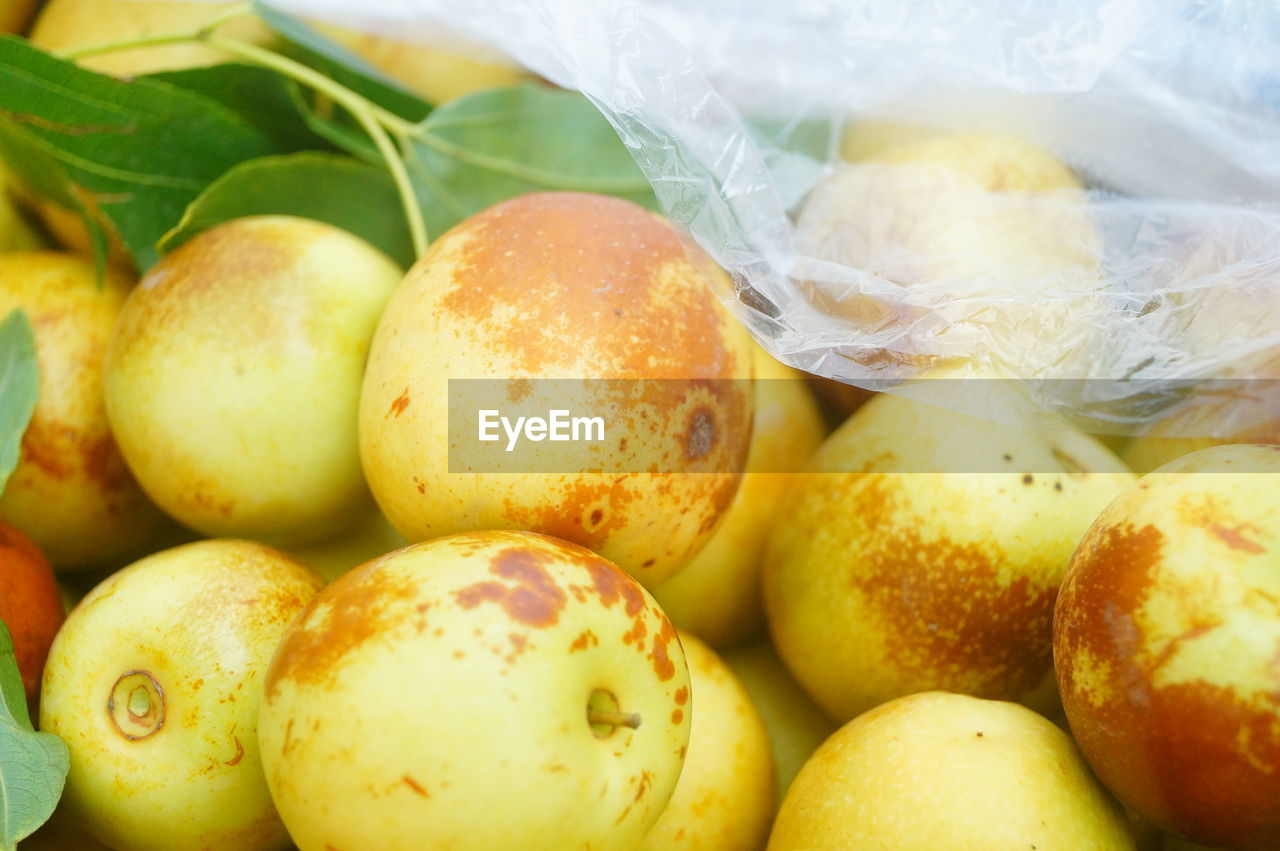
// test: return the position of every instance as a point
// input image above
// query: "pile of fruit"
(258, 591)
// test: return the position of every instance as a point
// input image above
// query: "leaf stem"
(528, 173)
(127, 44)
(309, 76)
(238, 11)
(375, 121)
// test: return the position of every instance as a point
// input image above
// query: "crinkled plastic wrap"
(808, 147)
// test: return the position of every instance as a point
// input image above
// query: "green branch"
(373, 119)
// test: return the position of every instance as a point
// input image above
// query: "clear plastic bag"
(1113, 305)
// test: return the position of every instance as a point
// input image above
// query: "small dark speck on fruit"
(1006, 456)
(1057, 486)
(1027, 478)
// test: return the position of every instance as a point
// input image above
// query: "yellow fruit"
(937, 770)
(154, 683)
(71, 491)
(70, 24)
(910, 560)
(15, 15)
(371, 537)
(1250, 415)
(717, 594)
(863, 139)
(1150, 451)
(569, 286)
(436, 73)
(233, 379)
(724, 799)
(993, 162)
(796, 725)
(979, 227)
(442, 697)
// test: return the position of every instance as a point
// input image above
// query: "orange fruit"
(30, 604)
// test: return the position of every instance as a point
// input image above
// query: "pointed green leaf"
(13, 697)
(143, 149)
(335, 125)
(260, 96)
(33, 766)
(19, 387)
(342, 65)
(493, 145)
(355, 196)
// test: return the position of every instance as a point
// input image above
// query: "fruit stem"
(607, 718)
(127, 44)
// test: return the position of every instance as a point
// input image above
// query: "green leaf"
(260, 96)
(355, 196)
(341, 65)
(46, 177)
(333, 123)
(321, 115)
(33, 766)
(143, 149)
(19, 387)
(13, 697)
(487, 147)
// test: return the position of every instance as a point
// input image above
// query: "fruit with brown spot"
(920, 553)
(233, 378)
(154, 683)
(71, 491)
(1166, 636)
(936, 770)
(505, 690)
(724, 799)
(716, 595)
(562, 285)
(30, 604)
